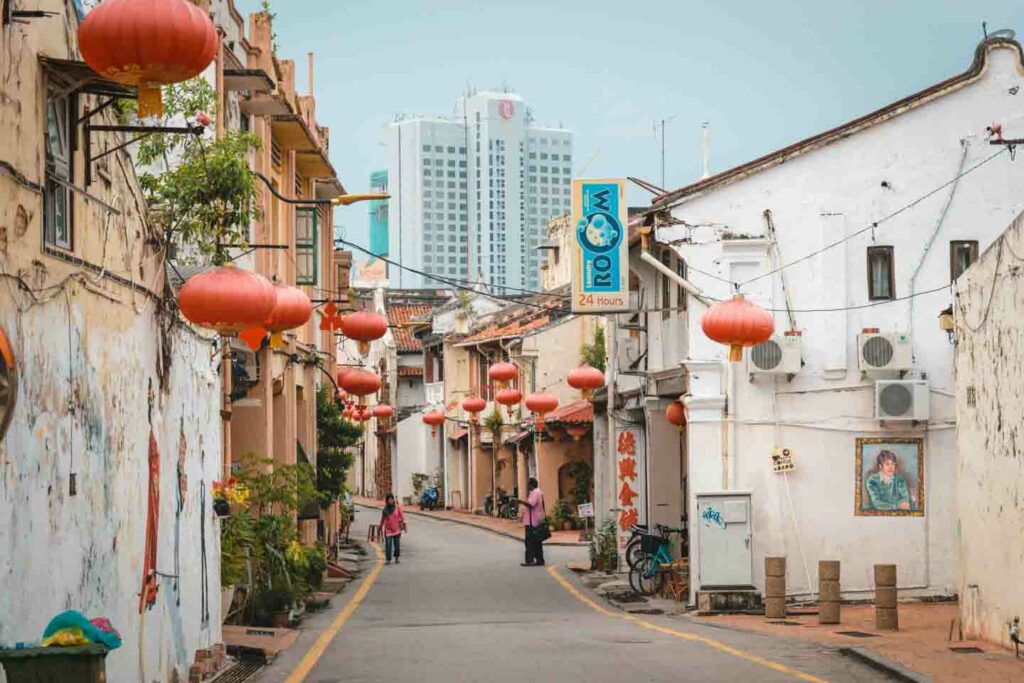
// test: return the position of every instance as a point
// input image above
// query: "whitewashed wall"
(85, 552)
(990, 410)
(417, 452)
(816, 199)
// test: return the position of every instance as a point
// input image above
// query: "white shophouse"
(834, 392)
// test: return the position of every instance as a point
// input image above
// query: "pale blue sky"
(764, 74)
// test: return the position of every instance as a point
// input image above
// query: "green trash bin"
(79, 664)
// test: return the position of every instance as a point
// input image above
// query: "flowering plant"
(231, 491)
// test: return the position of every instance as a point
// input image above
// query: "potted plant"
(560, 515)
(228, 493)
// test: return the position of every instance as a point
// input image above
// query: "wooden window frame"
(953, 248)
(309, 246)
(887, 252)
(55, 168)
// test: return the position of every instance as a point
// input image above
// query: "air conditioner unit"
(901, 399)
(884, 351)
(777, 356)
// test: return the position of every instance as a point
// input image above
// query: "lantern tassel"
(735, 353)
(277, 340)
(151, 101)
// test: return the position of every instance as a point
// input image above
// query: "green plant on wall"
(493, 424)
(594, 353)
(334, 436)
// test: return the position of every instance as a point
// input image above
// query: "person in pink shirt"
(392, 524)
(536, 527)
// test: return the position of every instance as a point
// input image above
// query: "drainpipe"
(611, 375)
(671, 275)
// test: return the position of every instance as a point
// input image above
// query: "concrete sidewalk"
(921, 645)
(503, 527)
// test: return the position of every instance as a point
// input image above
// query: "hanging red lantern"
(342, 396)
(738, 323)
(364, 327)
(383, 411)
(586, 379)
(361, 383)
(577, 432)
(339, 374)
(148, 44)
(676, 414)
(540, 405)
(474, 405)
(292, 308)
(227, 299)
(435, 419)
(364, 415)
(503, 373)
(348, 413)
(508, 398)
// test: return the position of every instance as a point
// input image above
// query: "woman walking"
(392, 524)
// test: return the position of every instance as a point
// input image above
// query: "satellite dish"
(1007, 33)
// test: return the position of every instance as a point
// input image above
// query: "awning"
(291, 132)
(314, 165)
(458, 434)
(79, 78)
(579, 412)
(248, 80)
(264, 104)
(516, 438)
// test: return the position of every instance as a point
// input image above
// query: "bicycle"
(646, 577)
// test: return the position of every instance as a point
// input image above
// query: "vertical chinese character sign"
(600, 250)
(627, 485)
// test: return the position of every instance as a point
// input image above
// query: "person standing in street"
(537, 529)
(392, 524)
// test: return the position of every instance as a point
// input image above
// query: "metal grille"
(895, 399)
(877, 352)
(242, 671)
(767, 355)
(972, 397)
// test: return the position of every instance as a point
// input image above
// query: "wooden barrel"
(886, 610)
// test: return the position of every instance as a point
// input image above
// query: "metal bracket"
(144, 131)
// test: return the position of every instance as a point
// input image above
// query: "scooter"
(429, 498)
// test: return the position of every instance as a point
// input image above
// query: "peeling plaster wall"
(815, 199)
(990, 452)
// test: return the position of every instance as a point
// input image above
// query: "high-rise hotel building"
(471, 195)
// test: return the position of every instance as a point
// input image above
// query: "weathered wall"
(815, 199)
(990, 461)
(418, 452)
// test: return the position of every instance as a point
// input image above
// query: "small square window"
(881, 275)
(962, 255)
(438, 149)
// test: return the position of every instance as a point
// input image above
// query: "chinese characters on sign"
(628, 515)
(600, 253)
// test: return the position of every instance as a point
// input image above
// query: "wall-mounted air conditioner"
(780, 355)
(904, 399)
(884, 351)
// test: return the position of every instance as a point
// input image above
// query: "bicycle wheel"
(645, 579)
(634, 552)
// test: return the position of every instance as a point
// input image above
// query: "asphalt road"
(460, 608)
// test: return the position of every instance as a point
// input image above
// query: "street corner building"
(115, 436)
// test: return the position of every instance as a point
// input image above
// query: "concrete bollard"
(828, 592)
(886, 612)
(775, 587)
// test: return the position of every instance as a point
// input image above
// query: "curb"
(883, 664)
(482, 527)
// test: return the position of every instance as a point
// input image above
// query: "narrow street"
(460, 608)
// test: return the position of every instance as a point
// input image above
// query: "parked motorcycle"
(429, 498)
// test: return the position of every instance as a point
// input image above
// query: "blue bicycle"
(645, 575)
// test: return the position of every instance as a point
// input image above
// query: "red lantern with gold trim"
(586, 379)
(676, 414)
(292, 309)
(509, 398)
(474, 405)
(227, 299)
(540, 405)
(577, 432)
(361, 383)
(148, 43)
(435, 419)
(364, 327)
(737, 323)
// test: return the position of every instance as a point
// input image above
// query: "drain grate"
(627, 597)
(967, 650)
(651, 612)
(242, 671)
(785, 623)
(857, 634)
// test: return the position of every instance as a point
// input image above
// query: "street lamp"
(349, 199)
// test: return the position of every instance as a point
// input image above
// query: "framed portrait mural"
(890, 477)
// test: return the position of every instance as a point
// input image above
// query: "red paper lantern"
(361, 383)
(383, 411)
(227, 299)
(508, 398)
(676, 414)
(364, 327)
(435, 419)
(292, 308)
(586, 379)
(339, 374)
(148, 43)
(348, 413)
(474, 405)
(541, 405)
(577, 432)
(502, 373)
(738, 323)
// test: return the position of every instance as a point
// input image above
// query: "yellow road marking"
(749, 656)
(320, 646)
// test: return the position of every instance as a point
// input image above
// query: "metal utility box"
(725, 539)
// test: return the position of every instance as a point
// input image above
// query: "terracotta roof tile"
(409, 371)
(513, 328)
(579, 412)
(399, 318)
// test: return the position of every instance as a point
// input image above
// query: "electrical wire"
(875, 224)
